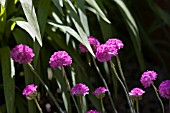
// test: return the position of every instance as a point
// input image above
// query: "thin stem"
(105, 84)
(38, 106)
(137, 105)
(69, 88)
(81, 104)
(103, 110)
(159, 98)
(121, 72)
(169, 104)
(46, 87)
(126, 92)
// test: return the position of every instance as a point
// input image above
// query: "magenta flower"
(115, 43)
(148, 77)
(80, 89)
(164, 89)
(92, 111)
(30, 91)
(59, 59)
(104, 53)
(136, 92)
(100, 92)
(93, 42)
(22, 54)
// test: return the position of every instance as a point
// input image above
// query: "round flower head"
(80, 89)
(104, 53)
(115, 43)
(22, 54)
(164, 89)
(92, 111)
(30, 91)
(148, 77)
(100, 92)
(59, 59)
(93, 42)
(136, 92)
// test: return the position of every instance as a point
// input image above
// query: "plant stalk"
(38, 106)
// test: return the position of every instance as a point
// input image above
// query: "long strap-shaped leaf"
(8, 81)
(30, 14)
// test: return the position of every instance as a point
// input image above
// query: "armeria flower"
(59, 59)
(92, 111)
(22, 54)
(93, 42)
(104, 53)
(100, 92)
(80, 89)
(148, 77)
(136, 92)
(30, 91)
(164, 89)
(115, 43)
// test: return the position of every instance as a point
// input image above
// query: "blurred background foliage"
(51, 25)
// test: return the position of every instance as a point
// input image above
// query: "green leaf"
(8, 81)
(2, 19)
(58, 5)
(93, 4)
(30, 14)
(3, 2)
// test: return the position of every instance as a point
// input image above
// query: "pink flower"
(136, 92)
(93, 42)
(100, 92)
(164, 89)
(115, 43)
(104, 53)
(59, 59)
(92, 111)
(148, 77)
(22, 54)
(80, 89)
(30, 91)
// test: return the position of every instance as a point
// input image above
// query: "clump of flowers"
(136, 92)
(93, 42)
(164, 89)
(148, 77)
(59, 59)
(22, 54)
(92, 111)
(115, 43)
(100, 92)
(30, 91)
(80, 90)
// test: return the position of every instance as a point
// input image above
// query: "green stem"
(121, 72)
(105, 84)
(124, 88)
(137, 105)
(103, 110)
(69, 88)
(46, 87)
(38, 106)
(81, 104)
(159, 98)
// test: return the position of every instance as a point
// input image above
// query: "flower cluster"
(93, 42)
(80, 89)
(136, 92)
(59, 59)
(164, 89)
(100, 92)
(148, 77)
(92, 111)
(30, 91)
(22, 54)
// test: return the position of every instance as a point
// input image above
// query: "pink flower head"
(136, 92)
(22, 54)
(92, 111)
(148, 77)
(104, 53)
(115, 43)
(59, 59)
(164, 89)
(93, 42)
(100, 92)
(80, 89)
(30, 91)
